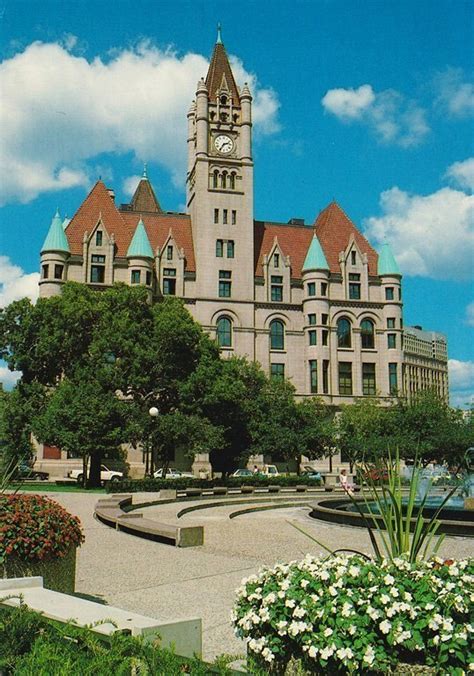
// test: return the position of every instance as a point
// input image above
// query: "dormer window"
(276, 260)
(354, 285)
(223, 100)
(169, 252)
(98, 238)
(276, 288)
(97, 269)
(353, 258)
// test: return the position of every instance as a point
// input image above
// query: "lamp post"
(153, 412)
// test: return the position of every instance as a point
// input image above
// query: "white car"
(173, 474)
(106, 474)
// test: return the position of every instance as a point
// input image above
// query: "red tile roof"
(294, 241)
(157, 228)
(122, 224)
(220, 66)
(334, 230)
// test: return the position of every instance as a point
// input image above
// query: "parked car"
(172, 473)
(26, 473)
(106, 474)
(242, 472)
(269, 470)
(310, 473)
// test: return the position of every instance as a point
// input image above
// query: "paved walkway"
(168, 582)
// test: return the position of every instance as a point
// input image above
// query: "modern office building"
(425, 362)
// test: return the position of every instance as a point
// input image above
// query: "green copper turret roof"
(387, 264)
(56, 239)
(140, 246)
(315, 258)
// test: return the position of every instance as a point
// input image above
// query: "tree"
(17, 410)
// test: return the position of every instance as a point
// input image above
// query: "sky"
(368, 102)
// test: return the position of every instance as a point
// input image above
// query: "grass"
(46, 487)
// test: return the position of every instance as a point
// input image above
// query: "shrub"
(35, 528)
(260, 481)
(350, 614)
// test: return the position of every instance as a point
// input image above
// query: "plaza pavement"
(163, 581)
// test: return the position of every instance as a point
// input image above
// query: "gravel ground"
(171, 583)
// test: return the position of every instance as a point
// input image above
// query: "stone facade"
(312, 303)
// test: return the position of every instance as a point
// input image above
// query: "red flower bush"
(34, 528)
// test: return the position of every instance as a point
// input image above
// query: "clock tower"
(220, 190)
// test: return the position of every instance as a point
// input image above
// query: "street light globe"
(153, 411)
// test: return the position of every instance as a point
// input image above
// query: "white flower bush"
(350, 615)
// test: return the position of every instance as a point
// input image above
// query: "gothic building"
(314, 303)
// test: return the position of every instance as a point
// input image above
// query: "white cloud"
(455, 94)
(129, 185)
(15, 284)
(8, 378)
(392, 117)
(462, 173)
(461, 382)
(349, 103)
(470, 314)
(431, 235)
(60, 110)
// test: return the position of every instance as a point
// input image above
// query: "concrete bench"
(110, 512)
(184, 634)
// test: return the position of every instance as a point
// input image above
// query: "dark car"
(311, 473)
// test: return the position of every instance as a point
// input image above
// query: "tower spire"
(220, 72)
(219, 35)
(145, 172)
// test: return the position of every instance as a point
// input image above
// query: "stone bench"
(110, 512)
(185, 634)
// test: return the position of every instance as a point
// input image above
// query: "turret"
(391, 291)
(140, 258)
(246, 134)
(202, 111)
(54, 256)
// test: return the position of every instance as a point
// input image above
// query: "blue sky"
(367, 102)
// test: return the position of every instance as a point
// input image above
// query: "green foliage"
(17, 409)
(31, 645)
(257, 480)
(351, 615)
(34, 528)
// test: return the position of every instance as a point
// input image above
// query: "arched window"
(343, 333)
(224, 179)
(277, 335)
(232, 180)
(368, 334)
(215, 176)
(224, 332)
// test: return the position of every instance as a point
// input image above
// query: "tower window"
(312, 319)
(230, 248)
(234, 217)
(58, 271)
(169, 281)
(224, 332)
(353, 258)
(354, 286)
(277, 371)
(277, 335)
(215, 177)
(324, 289)
(97, 271)
(219, 248)
(45, 271)
(224, 216)
(232, 180)
(311, 289)
(325, 376)
(216, 215)
(325, 337)
(225, 284)
(324, 319)
(389, 294)
(343, 333)
(391, 341)
(390, 322)
(223, 100)
(367, 334)
(98, 238)
(224, 179)
(148, 278)
(312, 337)
(392, 378)
(276, 288)
(345, 377)
(313, 376)
(169, 252)
(368, 379)
(135, 278)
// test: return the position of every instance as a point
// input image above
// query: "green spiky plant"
(401, 528)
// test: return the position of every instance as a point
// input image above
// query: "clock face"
(223, 144)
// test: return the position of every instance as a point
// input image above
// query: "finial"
(219, 36)
(145, 173)
(56, 215)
